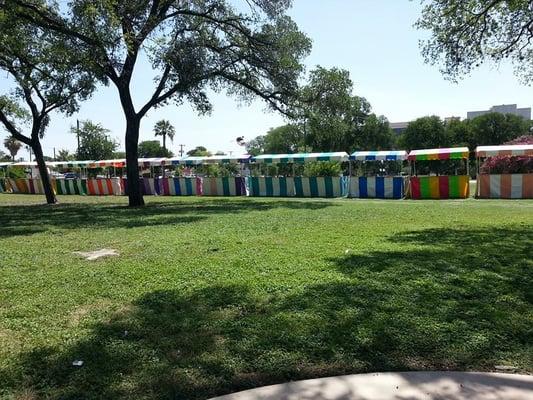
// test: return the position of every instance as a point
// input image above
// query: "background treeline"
(329, 117)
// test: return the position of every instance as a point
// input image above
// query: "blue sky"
(373, 39)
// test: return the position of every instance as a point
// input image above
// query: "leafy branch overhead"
(194, 46)
(464, 34)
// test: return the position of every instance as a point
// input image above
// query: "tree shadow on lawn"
(31, 219)
(462, 304)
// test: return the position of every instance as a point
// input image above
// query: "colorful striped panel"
(268, 186)
(26, 186)
(439, 187)
(227, 186)
(70, 186)
(180, 186)
(505, 186)
(150, 186)
(18, 185)
(104, 187)
(377, 187)
(315, 186)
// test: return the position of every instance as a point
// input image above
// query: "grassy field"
(210, 296)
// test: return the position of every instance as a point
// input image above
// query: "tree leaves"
(465, 34)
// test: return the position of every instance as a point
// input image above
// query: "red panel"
(415, 187)
(444, 189)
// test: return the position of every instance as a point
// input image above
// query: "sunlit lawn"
(214, 295)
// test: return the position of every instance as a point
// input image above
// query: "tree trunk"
(43, 172)
(164, 141)
(132, 164)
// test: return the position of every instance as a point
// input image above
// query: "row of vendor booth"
(419, 174)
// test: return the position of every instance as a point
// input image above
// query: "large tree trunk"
(43, 172)
(164, 141)
(132, 164)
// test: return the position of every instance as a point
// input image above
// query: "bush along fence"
(502, 172)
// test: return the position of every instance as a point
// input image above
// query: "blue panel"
(363, 192)
(177, 188)
(397, 187)
(380, 187)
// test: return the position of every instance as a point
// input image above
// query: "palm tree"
(13, 145)
(164, 128)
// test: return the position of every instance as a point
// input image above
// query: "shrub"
(322, 168)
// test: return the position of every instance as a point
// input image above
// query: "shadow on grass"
(31, 219)
(454, 299)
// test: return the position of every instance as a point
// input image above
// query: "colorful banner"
(268, 186)
(379, 187)
(439, 187)
(104, 187)
(26, 186)
(326, 186)
(505, 186)
(339, 156)
(227, 186)
(386, 155)
(180, 186)
(70, 186)
(454, 153)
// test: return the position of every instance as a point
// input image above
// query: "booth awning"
(454, 153)
(70, 164)
(108, 163)
(238, 159)
(388, 155)
(505, 150)
(300, 158)
(24, 164)
(154, 162)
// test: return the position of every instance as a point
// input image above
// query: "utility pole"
(78, 135)
(181, 149)
(54, 154)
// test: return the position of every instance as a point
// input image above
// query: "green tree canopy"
(464, 34)
(425, 133)
(45, 76)
(250, 51)
(5, 157)
(95, 142)
(65, 155)
(327, 117)
(164, 129)
(496, 129)
(13, 146)
(152, 148)
(198, 151)
(375, 134)
(331, 113)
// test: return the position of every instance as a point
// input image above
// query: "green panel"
(425, 191)
(453, 187)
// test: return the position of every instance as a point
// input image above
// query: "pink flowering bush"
(510, 165)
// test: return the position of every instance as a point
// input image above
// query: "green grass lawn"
(214, 295)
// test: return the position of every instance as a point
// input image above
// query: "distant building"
(398, 127)
(504, 109)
